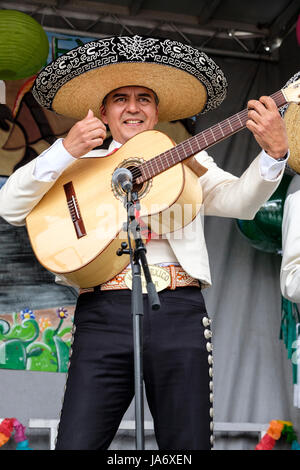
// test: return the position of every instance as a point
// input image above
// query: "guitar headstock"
(292, 92)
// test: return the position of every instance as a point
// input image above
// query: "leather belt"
(164, 277)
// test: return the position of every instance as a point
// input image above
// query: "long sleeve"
(52, 162)
(27, 185)
(290, 266)
(271, 168)
(226, 195)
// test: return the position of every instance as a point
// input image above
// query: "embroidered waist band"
(163, 277)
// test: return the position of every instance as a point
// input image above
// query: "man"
(290, 278)
(290, 266)
(145, 82)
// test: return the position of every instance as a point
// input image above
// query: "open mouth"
(133, 122)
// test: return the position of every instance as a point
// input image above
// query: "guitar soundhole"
(136, 173)
(141, 188)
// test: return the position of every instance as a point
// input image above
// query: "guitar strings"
(216, 131)
(185, 148)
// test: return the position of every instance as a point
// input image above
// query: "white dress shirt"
(224, 195)
(290, 265)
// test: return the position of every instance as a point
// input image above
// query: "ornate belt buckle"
(161, 278)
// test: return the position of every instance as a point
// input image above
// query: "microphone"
(123, 177)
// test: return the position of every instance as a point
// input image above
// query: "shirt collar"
(114, 145)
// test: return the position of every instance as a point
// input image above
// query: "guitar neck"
(201, 141)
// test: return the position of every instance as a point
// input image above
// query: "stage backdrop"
(252, 375)
(29, 336)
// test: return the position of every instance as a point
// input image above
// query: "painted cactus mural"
(37, 340)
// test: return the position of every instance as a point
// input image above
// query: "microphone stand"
(138, 259)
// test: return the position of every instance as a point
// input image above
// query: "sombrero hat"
(185, 79)
(291, 117)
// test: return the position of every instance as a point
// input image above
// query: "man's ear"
(156, 115)
(103, 114)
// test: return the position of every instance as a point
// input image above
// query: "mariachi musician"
(128, 84)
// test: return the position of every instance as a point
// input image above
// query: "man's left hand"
(267, 126)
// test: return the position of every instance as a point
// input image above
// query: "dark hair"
(105, 97)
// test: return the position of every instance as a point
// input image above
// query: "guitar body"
(84, 252)
(77, 227)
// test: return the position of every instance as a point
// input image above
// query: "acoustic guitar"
(78, 226)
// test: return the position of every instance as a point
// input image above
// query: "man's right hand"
(85, 135)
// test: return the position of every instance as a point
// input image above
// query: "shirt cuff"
(270, 168)
(52, 162)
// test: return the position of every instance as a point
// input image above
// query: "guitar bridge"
(74, 210)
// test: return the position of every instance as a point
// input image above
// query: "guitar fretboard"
(199, 142)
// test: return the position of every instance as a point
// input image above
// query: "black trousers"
(177, 374)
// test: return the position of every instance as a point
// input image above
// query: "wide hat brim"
(186, 81)
(291, 117)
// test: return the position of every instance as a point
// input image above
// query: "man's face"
(129, 111)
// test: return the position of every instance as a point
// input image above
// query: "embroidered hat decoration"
(186, 81)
